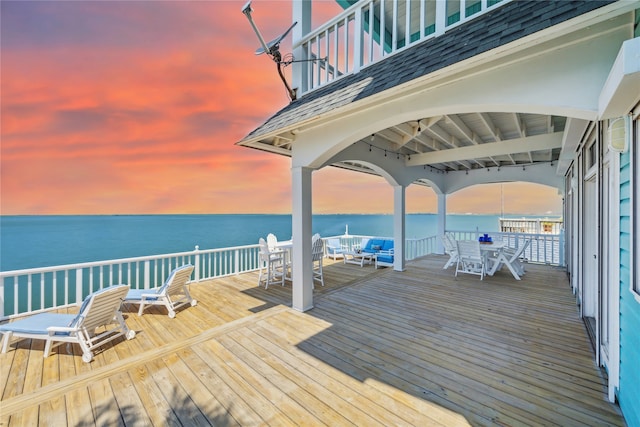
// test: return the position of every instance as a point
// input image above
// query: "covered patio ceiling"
(454, 142)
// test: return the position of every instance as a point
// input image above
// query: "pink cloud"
(134, 107)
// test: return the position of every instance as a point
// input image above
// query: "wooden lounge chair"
(101, 308)
(173, 294)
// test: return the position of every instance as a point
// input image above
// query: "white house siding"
(629, 392)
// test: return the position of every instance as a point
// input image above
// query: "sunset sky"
(133, 107)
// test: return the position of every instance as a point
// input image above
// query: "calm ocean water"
(39, 241)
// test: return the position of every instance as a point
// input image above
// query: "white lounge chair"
(470, 259)
(317, 253)
(273, 265)
(173, 294)
(450, 249)
(101, 308)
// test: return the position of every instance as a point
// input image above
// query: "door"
(590, 274)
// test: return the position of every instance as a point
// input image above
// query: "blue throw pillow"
(376, 247)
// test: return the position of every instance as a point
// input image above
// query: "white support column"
(301, 235)
(442, 221)
(399, 207)
(299, 70)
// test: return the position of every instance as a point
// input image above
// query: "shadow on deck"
(380, 347)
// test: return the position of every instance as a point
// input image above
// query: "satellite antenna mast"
(272, 48)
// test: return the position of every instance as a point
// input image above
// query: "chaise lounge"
(173, 294)
(99, 309)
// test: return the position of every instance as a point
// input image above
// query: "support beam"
(301, 235)
(399, 235)
(511, 146)
(442, 221)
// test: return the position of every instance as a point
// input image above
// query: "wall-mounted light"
(620, 134)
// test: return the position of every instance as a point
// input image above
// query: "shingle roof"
(503, 25)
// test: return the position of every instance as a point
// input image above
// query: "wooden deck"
(379, 348)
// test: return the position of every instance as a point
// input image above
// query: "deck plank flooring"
(380, 347)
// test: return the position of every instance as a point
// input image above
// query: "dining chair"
(272, 265)
(511, 257)
(317, 254)
(470, 259)
(272, 241)
(450, 249)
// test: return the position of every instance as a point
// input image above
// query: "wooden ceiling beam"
(507, 147)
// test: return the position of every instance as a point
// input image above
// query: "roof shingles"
(503, 25)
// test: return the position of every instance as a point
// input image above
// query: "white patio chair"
(511, 257)
(272, 242)
(450, 249)
(335, 249)
(99, 309)
(173, 294)
(470, 259)
(272, 265)
(317, 254)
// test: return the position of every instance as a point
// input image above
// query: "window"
(592, 156)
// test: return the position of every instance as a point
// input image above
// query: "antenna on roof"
(272, 49)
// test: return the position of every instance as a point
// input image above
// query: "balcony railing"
(543, 249)
(371, 30)
(40, 289)
(35, 290)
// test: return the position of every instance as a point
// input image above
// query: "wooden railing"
(35, 290)
(358, 36)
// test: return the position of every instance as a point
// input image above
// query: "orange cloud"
(134, 107)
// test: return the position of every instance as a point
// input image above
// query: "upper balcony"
(371, 30)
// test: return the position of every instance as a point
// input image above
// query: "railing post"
(236, 262)
(147, 274)
(196, 261)
(1, 297)
(358, 30)
(561, 248)
(300, 70)
(78, 285)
